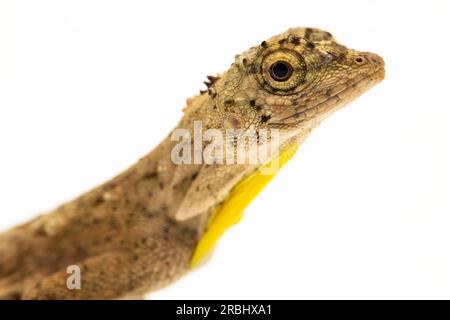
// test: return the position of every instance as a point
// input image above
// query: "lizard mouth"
(352, 91)
(339, 98)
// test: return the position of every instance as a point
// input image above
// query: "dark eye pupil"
(281, 71)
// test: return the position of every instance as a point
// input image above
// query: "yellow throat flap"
(231, 210)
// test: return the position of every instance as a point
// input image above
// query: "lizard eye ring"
(282, 71)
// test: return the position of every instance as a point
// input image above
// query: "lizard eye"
(282, 71)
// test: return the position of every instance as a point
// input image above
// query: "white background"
(363, 209)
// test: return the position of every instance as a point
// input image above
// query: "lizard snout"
(372, 61)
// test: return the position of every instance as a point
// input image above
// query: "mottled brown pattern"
(137, 232)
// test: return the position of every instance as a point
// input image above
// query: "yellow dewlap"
(231, 210)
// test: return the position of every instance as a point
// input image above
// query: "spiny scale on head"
(209, 83)
(211, 80)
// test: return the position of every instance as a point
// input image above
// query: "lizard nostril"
(359, 60)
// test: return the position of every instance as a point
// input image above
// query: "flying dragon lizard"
(154, 222)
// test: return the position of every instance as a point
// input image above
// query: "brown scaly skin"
(137, 232)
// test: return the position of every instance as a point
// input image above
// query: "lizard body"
(149, 225)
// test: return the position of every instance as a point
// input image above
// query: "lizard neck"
(231, 210)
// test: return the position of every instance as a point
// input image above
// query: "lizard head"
(291, 82)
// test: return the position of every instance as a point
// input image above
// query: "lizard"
(154, 222)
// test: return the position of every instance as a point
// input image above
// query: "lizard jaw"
(351, 92)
